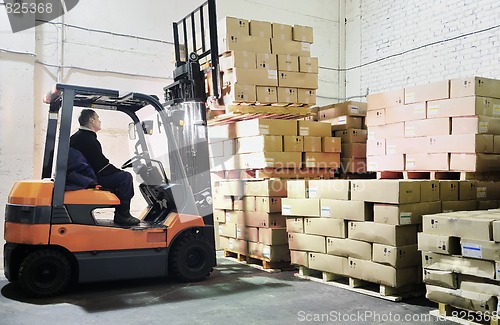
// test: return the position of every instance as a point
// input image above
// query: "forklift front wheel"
(45, 272)
(191, 259)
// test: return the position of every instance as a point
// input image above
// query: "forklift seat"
(91, 196)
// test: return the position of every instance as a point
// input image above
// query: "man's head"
(90, 119)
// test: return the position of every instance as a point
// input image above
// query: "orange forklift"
(54, 237)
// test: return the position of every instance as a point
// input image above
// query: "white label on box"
(264, 129)
(409, 97)
(371, 134)
(325, 212)
(228, 216)
(372, 166)
(483, 127)
(231, 243)
(409, 131)
(481, 192)
(405, 218)
(306, 47)
(354, 110)
(304, 130)
(313, 192)
(391, 149)
(342, 120)
(266, 252)
(472, 250)
(496, 109)
(433, 110)
(272, 74)
(238, 233)
(286, 210)
(410, 163)
(498, 275)
(269, 162)
(220, 229)
(419, 109)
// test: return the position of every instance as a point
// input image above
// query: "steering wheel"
(130, 162)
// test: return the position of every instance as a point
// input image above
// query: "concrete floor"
(234, 294)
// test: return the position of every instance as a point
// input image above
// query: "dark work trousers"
(120, 183)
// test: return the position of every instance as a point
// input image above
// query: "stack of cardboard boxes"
(459, 251)
(266, 63)
(442, 126)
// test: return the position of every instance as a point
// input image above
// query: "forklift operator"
(109, 177)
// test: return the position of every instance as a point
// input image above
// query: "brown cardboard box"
(314, 129)
(328, 263)
(383, 163)
(458, 264)
(383, 234)
(375, 147)
(448, 190)
(298, 79)
(395, 130)
(237, 59)
(299, 258)
(454, 224)
(237, 93)
(229, 147)
(330, 144)
(260, 29)
(221, 132)
(295, 225)
(353, 150)
(385, 99)
(273, 236)
(429, 127)
(292, 143)
(461, 143)
(306, 96)
(429, 191)
(475, 124)
(346, 122)
(271, 253)
(474, 162)
(314, 144)
(427, 161)
(270, 159)
(279, 46)
(300, 207)
(302, 33)
(287, 95)
(247, 203)
(404, 214)
(375, 117)
(349, 248)
(234, 245)
(430, 91)
(348, 210)
(247, 233)
(325, 227)
(273, 187)
(244, 43)
(265, 220)
(353, 165)
(475, 284)
(231, 188)
(258, 77)
(308, 64)
(446, 279)
(233, 26)
(451, 206)
(496, 144)
(488, 190)
(266, 95)
(222, 202)
(487, 205)
(337, 189)
(383, 274)
(282, 31)
(447, 245)
(352, 135)
(467, 190)
(287, 62)
(478, 302)
(266, 127)
(322, 160)
(475, 86)
(259, 143)
(297, 188)
(227, 229)
(398, 257)
(405, 113)
(304, 242)
(386, 191)
(219, 216)
(267, 61)
(343, 109)
(484, 250)
(496, 231)
(406, 145)
(267, 204)
(216, 149)
(463, 107)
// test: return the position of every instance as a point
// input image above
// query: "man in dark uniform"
(117, 181)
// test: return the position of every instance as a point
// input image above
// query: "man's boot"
(123, 216)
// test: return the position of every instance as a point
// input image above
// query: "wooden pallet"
(439, 175)
(460, 316)
(258, 262)
(361, 286)
(242, 113)
(268, 173)
(368, 175)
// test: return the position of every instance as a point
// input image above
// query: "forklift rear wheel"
(44, 273)
(191, 259)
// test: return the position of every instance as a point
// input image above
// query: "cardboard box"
(325, 227)
(395, 130)
(430, 91)
(375, 117)
(352, 135)
(353, 150)
(474, 162)
(478, 302)
(383, 234)
(487, 205)
(314, 129)
(404, 214)
(222, 202)
(237, 93)
(484, 250)
(337, 189)
(322, 159)
(297, 188)
(454, 224)
(287, 95)
(299, 258)
(221, 132)
(346, 209)
(430, 191)
(234, 245)
(309, 243)
(382, 274)
(463, 107)
(406, 145)
(398, 257)
(442, 244)
(386, 99)
(386, 191)
(308, 64)
(227, 229)
(349, 248)
(269, 188)
(458, 264)
(270, 253)
(461, 143)
(306, 96)
(273, 236)
(328, 263)
(264, 220)
(259, 143)
(216, 149)
(260, 29)
(247, 203)
(475, 86)
(229, 147)
(429, 127)
(282, 31)
(219, 216)
(297, 80)
(430, 161)
(266, 127)
(448, 190)
(446, 279)
(375, 147)
(292, 143)
(475, 284)
(405, 113)
(237, 59)
(475, 125)
(384, 163)
(346, 122)
(300, 207)
(353, 165)
(343, 109)
(279, 46)
(244, 43)
(231, 188)
(295, 225)
(287, 62)
(467, 190)
(302, 33)
(258, 77)
(313, 144)
(451, 206)
(270, 159)
(233, 26)
(330, 144)
(266, 95)
(496, 144)
(247, 233)
(267, 204)
(267, 61)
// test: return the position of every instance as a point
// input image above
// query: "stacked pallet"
(442, 126)
(266, 63)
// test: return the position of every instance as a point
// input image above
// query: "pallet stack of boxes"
(266, 63)
(440, 126)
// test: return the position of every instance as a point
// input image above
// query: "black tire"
(45, 272)
(191, 259)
